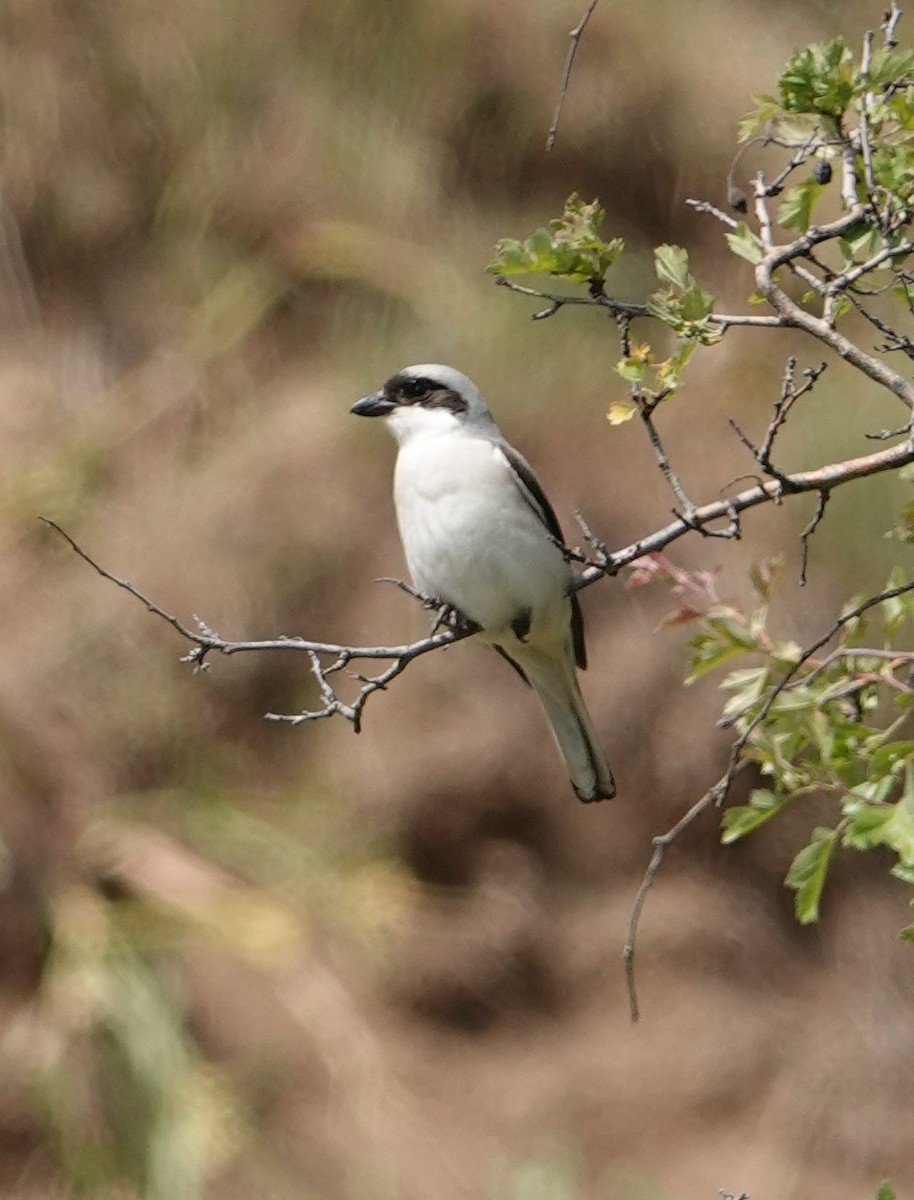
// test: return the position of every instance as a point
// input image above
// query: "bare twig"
(205, 640)
(704, 206)
(646, 408)
(575, 36)
(661, 844)
(150, 605)
(849, 277)
(600, 300)
(776, 185)
(894, 341)
(790, 393)
(809, 529)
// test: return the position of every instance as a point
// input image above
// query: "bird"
(481, 538)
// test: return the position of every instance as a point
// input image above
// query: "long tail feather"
(556, 685)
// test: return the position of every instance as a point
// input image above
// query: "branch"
(799, 318)
(328, 658)
(206, 640)
(624, 308)
(827, 477)
(575, 36)
(661, 844)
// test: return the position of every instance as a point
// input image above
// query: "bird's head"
(428, 399)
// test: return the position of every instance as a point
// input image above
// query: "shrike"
(480, 536)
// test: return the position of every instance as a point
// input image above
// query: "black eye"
(415, 389)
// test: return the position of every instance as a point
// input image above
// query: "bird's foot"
(446, 615)
(449, 617)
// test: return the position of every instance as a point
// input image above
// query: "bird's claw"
(449, 617)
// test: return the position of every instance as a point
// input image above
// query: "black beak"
(375, 405)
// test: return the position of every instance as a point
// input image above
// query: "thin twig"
(809, 529)
(645, 412)
(575, 36)
(661, 844)
(600, 300)
(127, 586)
(704, 206)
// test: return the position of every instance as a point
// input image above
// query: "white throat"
(413, 421)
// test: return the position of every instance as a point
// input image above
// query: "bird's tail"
(555, 682)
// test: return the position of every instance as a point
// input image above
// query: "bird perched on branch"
(480, 537)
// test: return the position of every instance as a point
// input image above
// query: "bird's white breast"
(470, 536)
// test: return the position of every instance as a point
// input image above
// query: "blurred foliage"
(130, 1100)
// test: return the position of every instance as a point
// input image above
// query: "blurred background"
(239, 959)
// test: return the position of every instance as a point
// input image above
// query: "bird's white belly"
(470, 537)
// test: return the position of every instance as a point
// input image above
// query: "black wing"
(529, 487)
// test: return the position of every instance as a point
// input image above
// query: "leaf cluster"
(826, 99)
(680, 302)
(570, 249)
(837, 724)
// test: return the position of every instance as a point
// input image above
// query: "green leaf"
(897, 609)
(632, 369)
(672, 265)
(669, 372)
(752, 123)
(742, 241)
(762, 806)
(860, 242)
(904, 872)
(709, 651)
(731, 628)
(808, 873)
(885, 1191)
(885, 825)
(696, 304)
(819, 79)
(890, 758)
(888, 65)
(747, 686)
(795, 209)
(874, 791)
